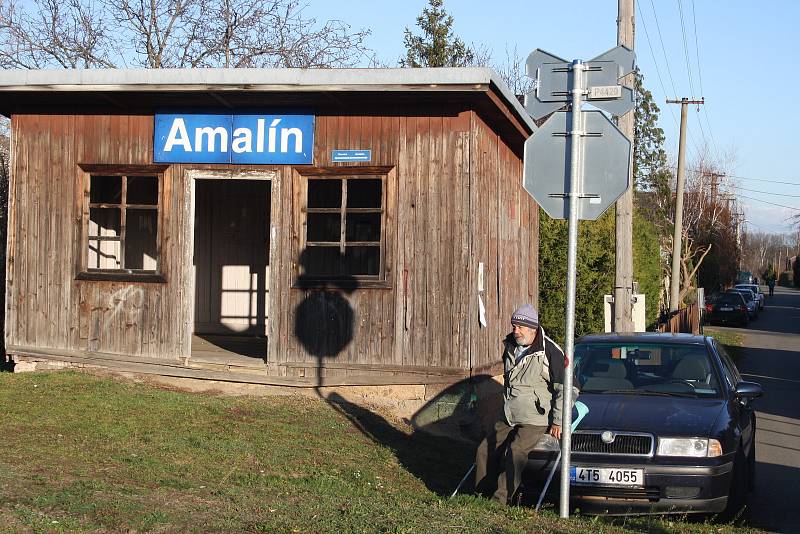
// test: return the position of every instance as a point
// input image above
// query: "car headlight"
(547, 443)
(691, 447)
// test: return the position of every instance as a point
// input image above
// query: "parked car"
(727, 308)
(755, 288)
(670, 428)
(749, 300)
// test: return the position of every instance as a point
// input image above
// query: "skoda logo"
(607, 436)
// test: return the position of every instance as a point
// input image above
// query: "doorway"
(231, 268)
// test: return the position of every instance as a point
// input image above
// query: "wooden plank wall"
(504, 238)
(422, 319)
(454, 201)
(47, 306)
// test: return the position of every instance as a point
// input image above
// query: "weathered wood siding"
(453, 200)
(505, 222)
(47, 307)
(423, 318)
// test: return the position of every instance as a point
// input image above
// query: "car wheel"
(737, 494)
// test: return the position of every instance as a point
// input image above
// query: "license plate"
(726, 309)
(606, 476)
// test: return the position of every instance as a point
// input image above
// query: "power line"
(686, 49)
(664, 49)
(697, 49)
(689, 71)
(771, 203)
(669, 71)
(737, 176)
(700, 77)
(655, 61)
(763, 180)
(764, 192)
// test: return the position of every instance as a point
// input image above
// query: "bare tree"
(161, 31)
(173, 33)
(49, 33)
(512, 72)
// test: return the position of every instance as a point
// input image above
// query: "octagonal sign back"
(605, 162)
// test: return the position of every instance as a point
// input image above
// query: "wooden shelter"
(393, 253)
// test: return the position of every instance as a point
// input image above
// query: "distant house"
(294, 227)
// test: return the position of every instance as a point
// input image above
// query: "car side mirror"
(748, 390)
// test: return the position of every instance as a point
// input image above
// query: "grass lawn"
(90, 453)
(728, 338)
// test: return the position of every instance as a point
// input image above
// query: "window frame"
(380, 281)
(84, 272)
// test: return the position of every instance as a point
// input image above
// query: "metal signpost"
(584, 182)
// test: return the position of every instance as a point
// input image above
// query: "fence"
(686, 320)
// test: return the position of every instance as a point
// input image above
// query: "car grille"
(650, 493)
(624, 443)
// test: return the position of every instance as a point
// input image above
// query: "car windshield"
(646, 369)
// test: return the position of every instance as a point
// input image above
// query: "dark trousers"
(501, 458)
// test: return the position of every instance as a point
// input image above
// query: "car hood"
(665, 416)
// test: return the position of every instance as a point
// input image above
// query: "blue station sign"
(284, 138)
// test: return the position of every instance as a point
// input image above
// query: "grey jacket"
(533, 386)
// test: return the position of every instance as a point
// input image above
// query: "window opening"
(123, 223)
(344, 227)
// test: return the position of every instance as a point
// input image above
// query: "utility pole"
(623, 274)
(675, 278)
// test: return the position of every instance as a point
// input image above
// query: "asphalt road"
(771, 357)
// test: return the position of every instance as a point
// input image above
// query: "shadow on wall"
(324, 320)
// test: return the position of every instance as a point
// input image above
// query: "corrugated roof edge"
(441, 79)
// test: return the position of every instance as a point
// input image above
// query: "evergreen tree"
(649, 157)
(647, 265)
(652, 219)
(437, 46)
(595, 273)
(596, 241)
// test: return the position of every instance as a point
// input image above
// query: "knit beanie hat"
(525, 315)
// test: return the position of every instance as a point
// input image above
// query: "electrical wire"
(669, 70)
(686, 49)
(763, 192)
(700, 77)
(763, 180)
(664, 49)
(771, 203)
(655, 62)
(689, 73)
(737, 176)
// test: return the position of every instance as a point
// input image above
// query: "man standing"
(533, 380)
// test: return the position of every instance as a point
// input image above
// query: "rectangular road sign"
(600, 92)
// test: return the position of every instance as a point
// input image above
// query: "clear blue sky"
(742, 49)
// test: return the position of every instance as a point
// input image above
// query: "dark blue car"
(670, 428)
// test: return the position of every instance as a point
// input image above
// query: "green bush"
(786, 279)
(595, 273)
(647, 264)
